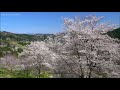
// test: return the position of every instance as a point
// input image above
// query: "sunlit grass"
(4, 73)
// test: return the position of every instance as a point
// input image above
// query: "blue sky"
(45, 22)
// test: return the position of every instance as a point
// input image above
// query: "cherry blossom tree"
(86, 50)
(38, 56)
(9, 62)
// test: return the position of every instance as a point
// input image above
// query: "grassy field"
(4, 73)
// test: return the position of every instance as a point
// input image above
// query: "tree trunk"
(39, 72)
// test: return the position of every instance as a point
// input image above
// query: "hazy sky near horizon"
(45, 22)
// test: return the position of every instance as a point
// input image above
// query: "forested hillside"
(15, 43)
(115, 33)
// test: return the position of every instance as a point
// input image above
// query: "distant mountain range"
(40, 37)
(4, 35)
(23, 37)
